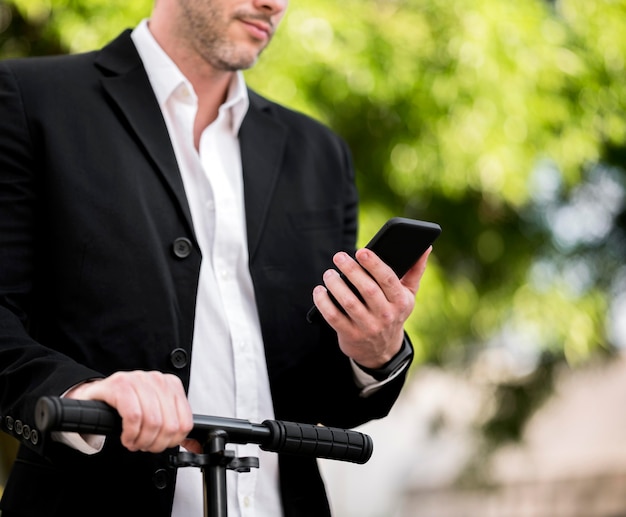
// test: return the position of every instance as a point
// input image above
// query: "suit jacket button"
(26, 432)
(182, 247)
(19, 427)
(34, 437)
(9, 423)
(179, 358)
(160, 479)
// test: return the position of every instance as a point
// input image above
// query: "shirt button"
(179, 358)
(183, 94)
(182, 247)
(246, 501)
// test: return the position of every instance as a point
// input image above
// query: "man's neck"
(209, 102)
(210, 84)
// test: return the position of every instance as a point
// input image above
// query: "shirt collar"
(166, 77)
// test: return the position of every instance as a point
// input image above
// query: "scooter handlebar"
(96, 417)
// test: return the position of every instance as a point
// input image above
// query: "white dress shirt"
(228, 370)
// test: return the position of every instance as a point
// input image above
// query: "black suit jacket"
(99, 267)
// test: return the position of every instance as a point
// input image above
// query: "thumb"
(411, 279)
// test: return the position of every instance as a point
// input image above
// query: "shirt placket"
(228, 254)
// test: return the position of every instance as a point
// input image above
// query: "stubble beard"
(207, 35)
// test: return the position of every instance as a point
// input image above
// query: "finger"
(385, 279)
(192, 445)
(366, 286)
(178, 418)
(167, 417)
(349, 290)
(330, 309)
(321, 299)
(185, 415)
(413, 277)
(117, 391)
(326, 301)
(143, 419)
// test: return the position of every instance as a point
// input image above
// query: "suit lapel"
(262, 138)
(128, 86)
(262, 141)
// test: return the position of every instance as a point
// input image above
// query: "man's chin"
(232, 65)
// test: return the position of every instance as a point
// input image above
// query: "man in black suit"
(152, 208)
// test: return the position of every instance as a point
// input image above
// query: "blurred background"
(505, 122)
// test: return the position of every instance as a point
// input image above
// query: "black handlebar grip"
(96, 417)
(319, 441)
(80, 416)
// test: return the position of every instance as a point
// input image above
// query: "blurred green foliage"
(503, 121)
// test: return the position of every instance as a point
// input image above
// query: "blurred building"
(570, 463)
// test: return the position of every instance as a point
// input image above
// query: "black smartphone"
(399, 243)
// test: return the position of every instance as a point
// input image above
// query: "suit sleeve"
(344, 403)
(27, 368)
(312, 380)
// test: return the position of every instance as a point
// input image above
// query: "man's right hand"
(154, 408)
